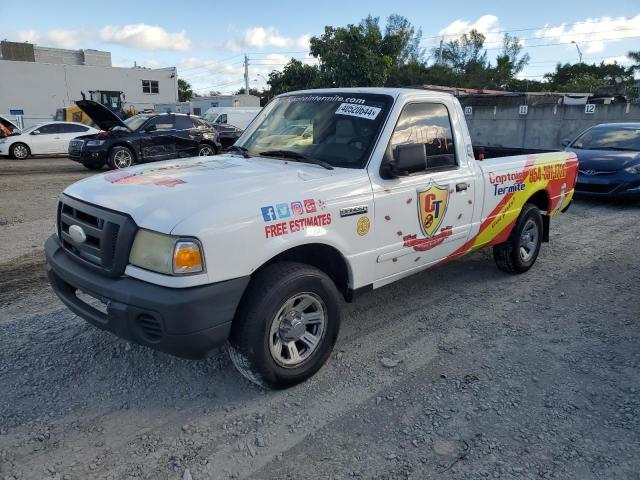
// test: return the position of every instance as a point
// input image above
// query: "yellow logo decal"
(363, 226)
(432, 207)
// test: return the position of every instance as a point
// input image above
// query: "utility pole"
(579, 51)
(246, 75)
(440, 52)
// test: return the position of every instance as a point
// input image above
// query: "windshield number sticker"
(361, 111)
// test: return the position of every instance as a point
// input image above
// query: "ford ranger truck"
(327, 193)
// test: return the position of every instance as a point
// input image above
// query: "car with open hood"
(7, 127)
(146, 137)
(608, 160)
(48, 138)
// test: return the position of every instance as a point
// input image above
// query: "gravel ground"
(456, 373)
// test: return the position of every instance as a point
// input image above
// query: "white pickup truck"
(326, 194)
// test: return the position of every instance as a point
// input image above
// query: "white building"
(199, 105)
(36, 81)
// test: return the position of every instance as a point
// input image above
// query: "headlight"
(166, 254)
(94, 143)
(634, 169)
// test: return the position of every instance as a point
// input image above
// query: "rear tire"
(119, 158)
(20, 151)
(520, 251)
(286, 325)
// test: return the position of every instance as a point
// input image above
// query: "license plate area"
(99, 304)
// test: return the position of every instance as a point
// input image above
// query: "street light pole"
(579, 51)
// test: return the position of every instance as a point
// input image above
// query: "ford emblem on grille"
(77, 234)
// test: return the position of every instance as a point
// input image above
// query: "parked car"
(239, 117)
(608, 160)
(51, 138)
(141, 138)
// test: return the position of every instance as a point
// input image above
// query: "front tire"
(19, 151)
(119, 158)
(286, 326)
(520, 251)
(206, 150)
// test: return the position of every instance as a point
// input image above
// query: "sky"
(207, 41)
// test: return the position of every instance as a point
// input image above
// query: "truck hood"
(104, 118)
(226, 189)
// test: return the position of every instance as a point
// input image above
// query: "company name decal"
(158, 175)
(305, 209)
(424, 244)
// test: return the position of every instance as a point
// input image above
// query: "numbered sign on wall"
(590, 108)
(468, 110)
(524, 109)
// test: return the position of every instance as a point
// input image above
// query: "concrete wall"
(544, 126)
(41, 88)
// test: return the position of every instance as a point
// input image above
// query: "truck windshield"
(339, 128)
(609, 138)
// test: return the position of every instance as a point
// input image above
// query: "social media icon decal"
(297, 208)
(310, 205)
(283, 210)
(268, 213)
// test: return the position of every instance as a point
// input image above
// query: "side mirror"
(35, 132)
(407, 158)
(565, 142)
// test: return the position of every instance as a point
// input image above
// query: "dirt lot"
(532, 376)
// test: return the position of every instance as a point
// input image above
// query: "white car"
(51, 138)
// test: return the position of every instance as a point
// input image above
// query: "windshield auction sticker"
(361, 111)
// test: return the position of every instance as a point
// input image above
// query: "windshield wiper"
(237, 148)
(296, 156)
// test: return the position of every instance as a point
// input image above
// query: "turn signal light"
(187, 257)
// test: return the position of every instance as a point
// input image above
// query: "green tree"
(295, 76)
(185, 91)
(635, 56)
(585, 78)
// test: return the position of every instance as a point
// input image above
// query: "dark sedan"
(608, 160)
(142, 138)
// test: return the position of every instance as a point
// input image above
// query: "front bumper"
(87, 156)
(616, 185)
(187, 322)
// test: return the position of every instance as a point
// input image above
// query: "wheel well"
(541, 200)
(211, 144)
(323, 257)
(13, 145)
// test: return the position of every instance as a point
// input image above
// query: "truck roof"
(394, 92)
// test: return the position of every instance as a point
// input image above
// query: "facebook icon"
(268, 213)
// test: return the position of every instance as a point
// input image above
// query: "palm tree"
(635, 56)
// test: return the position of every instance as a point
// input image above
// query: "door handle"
(461, 186)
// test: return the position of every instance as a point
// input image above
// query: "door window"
(49, 129)
(429, 124)
(68, 128)
(183, 122)
(222, 118)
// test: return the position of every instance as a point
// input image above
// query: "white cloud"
(488, 25)
(620, 60)
(53, 38)
(146, 37)
(593, 34)
(31, 36)
(265, 37)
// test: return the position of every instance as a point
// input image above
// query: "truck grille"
(106, 237)
(75, 147)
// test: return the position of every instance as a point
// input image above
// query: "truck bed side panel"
(509, 183)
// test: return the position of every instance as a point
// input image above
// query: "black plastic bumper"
(90, 157)
(187, 322)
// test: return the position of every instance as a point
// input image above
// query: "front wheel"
(286, 326)
(520, 251)
(19, 151)
(120, 157)
(206, 150)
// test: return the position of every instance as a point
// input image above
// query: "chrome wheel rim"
(205, 151)
(528, 240)
(20, 152)
(297, 330)
(122, 159)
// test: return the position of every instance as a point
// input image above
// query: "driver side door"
(46, 140)
(158, 142)
(423, 216)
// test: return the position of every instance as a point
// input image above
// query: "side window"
(68, 128)
(429, 124)
(222, 118)
(49, 129)
(183, 122)
(162, 122)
